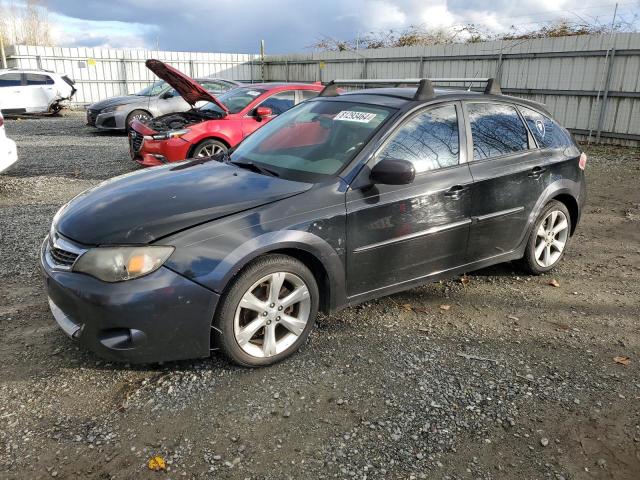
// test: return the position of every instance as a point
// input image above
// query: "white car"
(8, 152)
(33, 91)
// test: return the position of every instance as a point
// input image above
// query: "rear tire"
(258, 325)
(208, 148)
(548, 239)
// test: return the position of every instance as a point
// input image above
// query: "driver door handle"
(456, 191)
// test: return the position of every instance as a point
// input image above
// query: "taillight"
(1, 120)
(583, 161)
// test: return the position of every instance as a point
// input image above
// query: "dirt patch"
(515, 380)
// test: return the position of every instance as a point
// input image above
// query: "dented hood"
(187, 87)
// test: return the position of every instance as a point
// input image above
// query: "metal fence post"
(286, 66)
(39, 62)
(363, 74)
(124, 76)
(421, 67)
(605, 95)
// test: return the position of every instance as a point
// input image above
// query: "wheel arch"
(571, 203)
(314, 252)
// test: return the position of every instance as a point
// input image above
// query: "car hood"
(143, 206)
(188, 88)
(109, 102)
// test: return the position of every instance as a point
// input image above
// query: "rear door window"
(548, 133)
(10, 80)
(280, 102)
(430, 140)
(496, 130)
(38, 79)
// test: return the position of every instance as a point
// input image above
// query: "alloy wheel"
(141, 117)
(551, 238)
(208, 150)
(272, 314)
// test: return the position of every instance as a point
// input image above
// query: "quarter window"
(429, 140)
(547, 133)
(496, 130)
(280, 102)
(37, 79)
(307, 94)
(10, 80)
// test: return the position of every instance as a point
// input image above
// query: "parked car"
(159, 98)
(33, 91)
(8, 152)
(215, 127)
(339, 200)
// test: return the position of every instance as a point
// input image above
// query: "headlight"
(170, 134)
(113, 108)
(116, 264)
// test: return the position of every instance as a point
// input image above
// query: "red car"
(215, 127)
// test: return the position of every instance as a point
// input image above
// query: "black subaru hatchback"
(348, 196)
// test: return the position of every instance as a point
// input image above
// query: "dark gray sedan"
(343, 198)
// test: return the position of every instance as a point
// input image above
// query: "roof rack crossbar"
(425, 89)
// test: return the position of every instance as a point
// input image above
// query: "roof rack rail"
(425, 89)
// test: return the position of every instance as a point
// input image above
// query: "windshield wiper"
(255, 167)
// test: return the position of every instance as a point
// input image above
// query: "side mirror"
(393, 171)
(166, 95)
(263, 112)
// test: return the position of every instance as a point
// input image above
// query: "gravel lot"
(502, 376)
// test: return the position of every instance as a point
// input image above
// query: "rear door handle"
(456, 191)
(536, 172)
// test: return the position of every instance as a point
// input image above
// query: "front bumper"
(107, 121)
(157, 152)
(162, 316)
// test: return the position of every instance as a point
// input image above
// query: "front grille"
(61, 253)
(62, 258)
(135, 140)
(91, 117)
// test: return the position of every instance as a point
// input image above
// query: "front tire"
(548, 239)
(268, 311)
(208, 148)
(140, 115)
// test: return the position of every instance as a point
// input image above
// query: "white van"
(33, 91)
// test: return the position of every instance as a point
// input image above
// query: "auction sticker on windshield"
(350, 116)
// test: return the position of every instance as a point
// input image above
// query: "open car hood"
(188, 88)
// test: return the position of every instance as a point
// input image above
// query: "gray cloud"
(292, 25)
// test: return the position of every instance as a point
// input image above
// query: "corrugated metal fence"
(104, 72)
(590, 83)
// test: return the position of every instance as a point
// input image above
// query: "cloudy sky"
(292, 25)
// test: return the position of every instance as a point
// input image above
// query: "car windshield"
(235, 100)
(313, 141)
(153, 89)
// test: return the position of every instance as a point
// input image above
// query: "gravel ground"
(496, 375)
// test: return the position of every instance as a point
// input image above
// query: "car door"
(509, 175)
(397, 233)
(39, 92)
(12, 92)
(278, 103)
